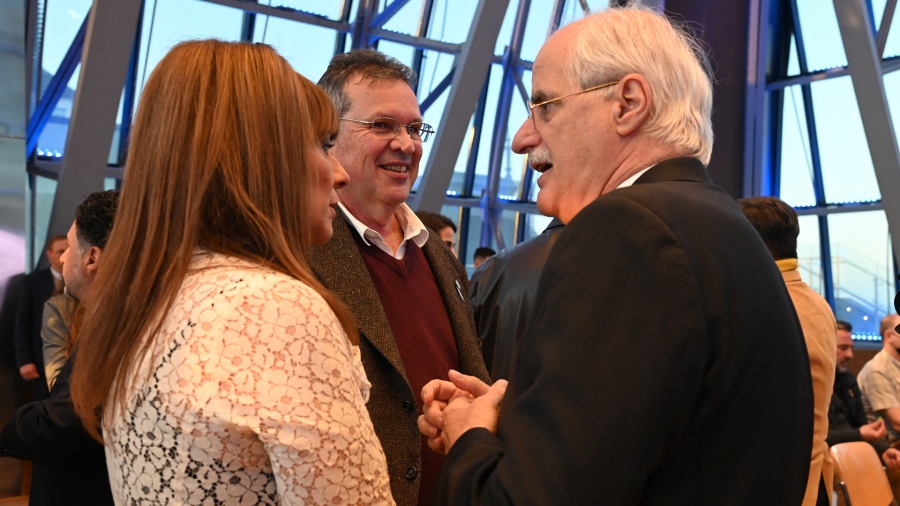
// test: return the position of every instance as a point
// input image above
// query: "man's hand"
(436, 394)
(891, 458)
(464, 413)
(29, 372)
(873, 432)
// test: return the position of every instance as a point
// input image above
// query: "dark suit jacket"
(503, 291)
(69, 466)
(37, 287)
(664, 365)
(393, 406)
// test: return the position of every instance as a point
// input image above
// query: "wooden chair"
(863, 480)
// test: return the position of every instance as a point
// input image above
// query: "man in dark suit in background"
(664, 363)
(37, 287)
(69, 465)
(404, 285)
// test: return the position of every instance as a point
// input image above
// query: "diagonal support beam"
(472, 66)
(885, 29)
(111, 29)
(55, 89)
(436, 92)
(388, 13)
(864, 64)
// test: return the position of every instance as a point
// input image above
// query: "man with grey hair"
(879, 379)
(664, 363)
(404, 286)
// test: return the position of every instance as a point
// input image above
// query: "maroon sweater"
(418, 318)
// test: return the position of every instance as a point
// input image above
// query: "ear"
(631, 107)
(92, 261)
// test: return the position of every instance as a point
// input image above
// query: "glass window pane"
(44, 193)
(809, 253)
(293, 40)
(862, 269)
(52, 141)
(168, 22)
(573, 10)
(450, 21)
(796, 164)
(537, 29)
(473, 239)
(535, 224)
(406, 20)
(63, 20)
(821, 35)
(892, 90)
(793, 67)
(892, 48)
(847, 170)
(506, 29)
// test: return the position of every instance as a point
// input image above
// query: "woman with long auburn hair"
(218, 367)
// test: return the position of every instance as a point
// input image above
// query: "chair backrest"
(862, 475)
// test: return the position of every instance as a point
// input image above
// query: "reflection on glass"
(821, 35)
(862, 268)
(406, 20)
(796, 165)
(293, 40)
(847, 170)
(809, 254)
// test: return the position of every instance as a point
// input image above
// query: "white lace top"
(252, 395)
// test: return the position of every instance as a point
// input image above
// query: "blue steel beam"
(436, 92)
(55, 89)
(388, 12)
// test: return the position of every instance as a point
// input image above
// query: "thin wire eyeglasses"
(531, 106)
(390, 127)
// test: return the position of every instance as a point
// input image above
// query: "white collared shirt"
(56, 275)
(413, 229)
(630, 181)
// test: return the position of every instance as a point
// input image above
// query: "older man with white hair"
(664, 363)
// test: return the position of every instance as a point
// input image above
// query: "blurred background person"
(36, 288)
(223, 370)
(847, 417)
(69, 465)
(481, 254)
(441, 224)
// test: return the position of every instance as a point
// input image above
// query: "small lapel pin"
(459, 291)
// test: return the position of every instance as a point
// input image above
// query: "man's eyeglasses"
(390, 127)
(532, 107)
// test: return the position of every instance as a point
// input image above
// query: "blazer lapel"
(341, 268)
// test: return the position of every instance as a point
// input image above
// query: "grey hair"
(637, 39)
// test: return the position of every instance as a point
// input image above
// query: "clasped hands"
(453, 407)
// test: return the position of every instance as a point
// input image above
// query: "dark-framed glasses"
(388, 127)
(532, 107)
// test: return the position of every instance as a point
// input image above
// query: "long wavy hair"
(218, 159)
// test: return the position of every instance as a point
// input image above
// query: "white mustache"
(541, 157)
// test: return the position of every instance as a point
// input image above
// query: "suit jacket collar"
(676, 169)
(340, 266)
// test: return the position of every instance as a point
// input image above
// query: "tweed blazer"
(393, 406)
